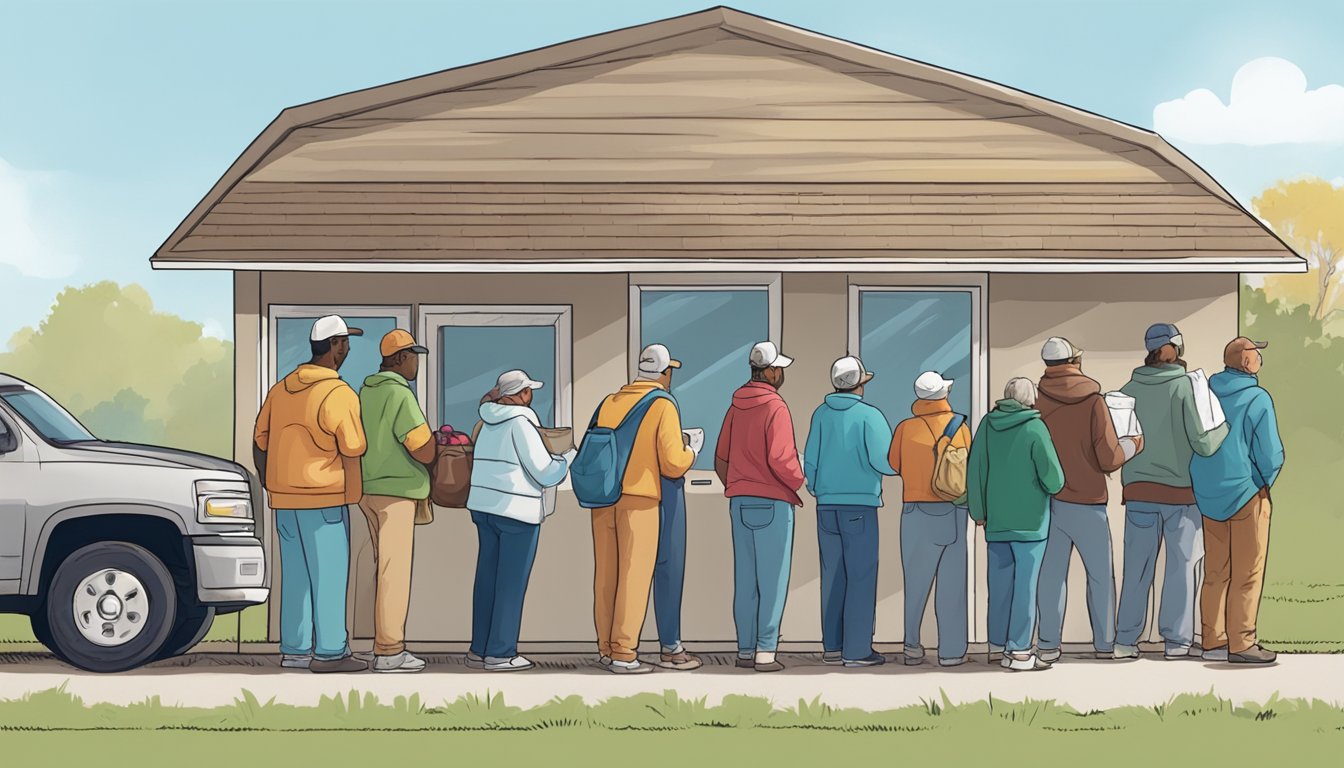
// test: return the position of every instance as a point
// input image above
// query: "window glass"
(44, 415)
(292, 347)
(904, 333)
(471, 357)
(711, 333)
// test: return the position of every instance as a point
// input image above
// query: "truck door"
(16, 473)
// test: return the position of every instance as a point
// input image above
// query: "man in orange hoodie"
(625, 536)
(307, 446)
(933, 529)
(757, 460)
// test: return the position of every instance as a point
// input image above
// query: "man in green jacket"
(1159, 500)
(396, 481)
(1011, 474)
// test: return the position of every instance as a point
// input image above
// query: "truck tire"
(38, 621)
(193, 622)
(110, 607)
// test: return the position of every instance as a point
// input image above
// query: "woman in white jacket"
(510, 468)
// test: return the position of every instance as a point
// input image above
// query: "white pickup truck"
(120, 554)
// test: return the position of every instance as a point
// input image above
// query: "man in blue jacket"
(1232, 488)
(845, 459)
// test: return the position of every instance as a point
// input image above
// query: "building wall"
(1105, 316)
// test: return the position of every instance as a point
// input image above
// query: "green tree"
(128, 371)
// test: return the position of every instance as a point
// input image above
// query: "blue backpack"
(599, 468)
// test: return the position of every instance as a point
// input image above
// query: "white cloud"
(1270, 104)
(215, 329)
(1337, 182)
(25, 244)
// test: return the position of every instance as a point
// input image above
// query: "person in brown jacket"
(1084, 436)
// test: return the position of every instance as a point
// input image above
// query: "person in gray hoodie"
(1159, 501)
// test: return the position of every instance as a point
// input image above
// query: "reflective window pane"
(470, 359)
(292, 346)
(904, 333)
(711, 333)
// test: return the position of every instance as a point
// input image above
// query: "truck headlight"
(223, 502)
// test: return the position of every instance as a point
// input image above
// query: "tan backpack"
(949, 462)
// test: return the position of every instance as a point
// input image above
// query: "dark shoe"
(773, 666)
(680, 661)
(1253, 655)
(747, 663)
(347, 664)
(832, 657)
(875, 660)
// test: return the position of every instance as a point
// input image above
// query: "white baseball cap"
(513, 382)
(1059, 348)
(331, 326)
(848, 373)
(932, 386)
(766, 355)
(654, 359)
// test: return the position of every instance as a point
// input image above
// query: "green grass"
(56, 728)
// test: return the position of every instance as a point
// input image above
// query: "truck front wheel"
(111, 607)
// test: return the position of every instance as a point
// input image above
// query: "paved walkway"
(1084, 683)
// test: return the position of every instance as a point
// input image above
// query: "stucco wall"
(1106, 315)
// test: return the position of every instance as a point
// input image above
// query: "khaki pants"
(625, 548)
(392, 530)
(1234, 575)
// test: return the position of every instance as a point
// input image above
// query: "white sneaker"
(912, 657)
(474, 661)
(1031, 663)
(1125, 652)
(1051, 656)
(1176, 652)
(516, 664)
(629, 667)
(295, 661)
(398, 663)
(957, 662)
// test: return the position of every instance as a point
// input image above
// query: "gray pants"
(1085, 527)
(933, 545)
(1147, 526)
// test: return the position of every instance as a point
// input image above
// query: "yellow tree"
(1309, 215)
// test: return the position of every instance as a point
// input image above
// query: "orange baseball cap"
(397, 340)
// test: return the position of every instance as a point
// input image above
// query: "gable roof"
(352, 182)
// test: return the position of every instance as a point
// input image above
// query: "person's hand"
(569, 456)
(1138, 443)
(979, 523)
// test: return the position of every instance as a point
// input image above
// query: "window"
(711, 330)
(903, 332)
(292, 325)
(43, 414)
(471, 346)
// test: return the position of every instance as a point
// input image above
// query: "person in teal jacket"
(1011, 474)
(844, 461)
(1232, 488)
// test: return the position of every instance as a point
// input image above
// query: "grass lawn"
(54, 728)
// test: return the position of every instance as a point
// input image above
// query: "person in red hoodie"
(757, 460)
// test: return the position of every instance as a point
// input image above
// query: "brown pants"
(392, 530)
(625, 548)
(1234, 575)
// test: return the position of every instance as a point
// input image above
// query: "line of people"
(1034, 479)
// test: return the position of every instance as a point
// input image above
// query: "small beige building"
(709, 181)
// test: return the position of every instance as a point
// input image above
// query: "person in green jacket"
(1011, 474)
(1159, 500)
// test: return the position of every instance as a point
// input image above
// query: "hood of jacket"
(386, 379)
(307, 375)
(1157, 376)
(1231, 382)
(930, 407)
(755, 394)
(495, 413)
(842, 401)
(1068, 384)
(1010, 414)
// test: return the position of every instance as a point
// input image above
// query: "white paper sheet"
(1206, 403)
(1123, 416)
(697, 436)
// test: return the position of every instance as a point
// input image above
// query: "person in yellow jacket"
(625, 536)
(307, 447)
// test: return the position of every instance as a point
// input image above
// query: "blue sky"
(118, 116)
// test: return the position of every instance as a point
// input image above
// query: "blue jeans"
(1014, 570)
(847, 538)
(1147, 526)
(762, 554)
(314, 574)
(1086, 527)
(933, 546)
(504, 560)
(669, 570)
